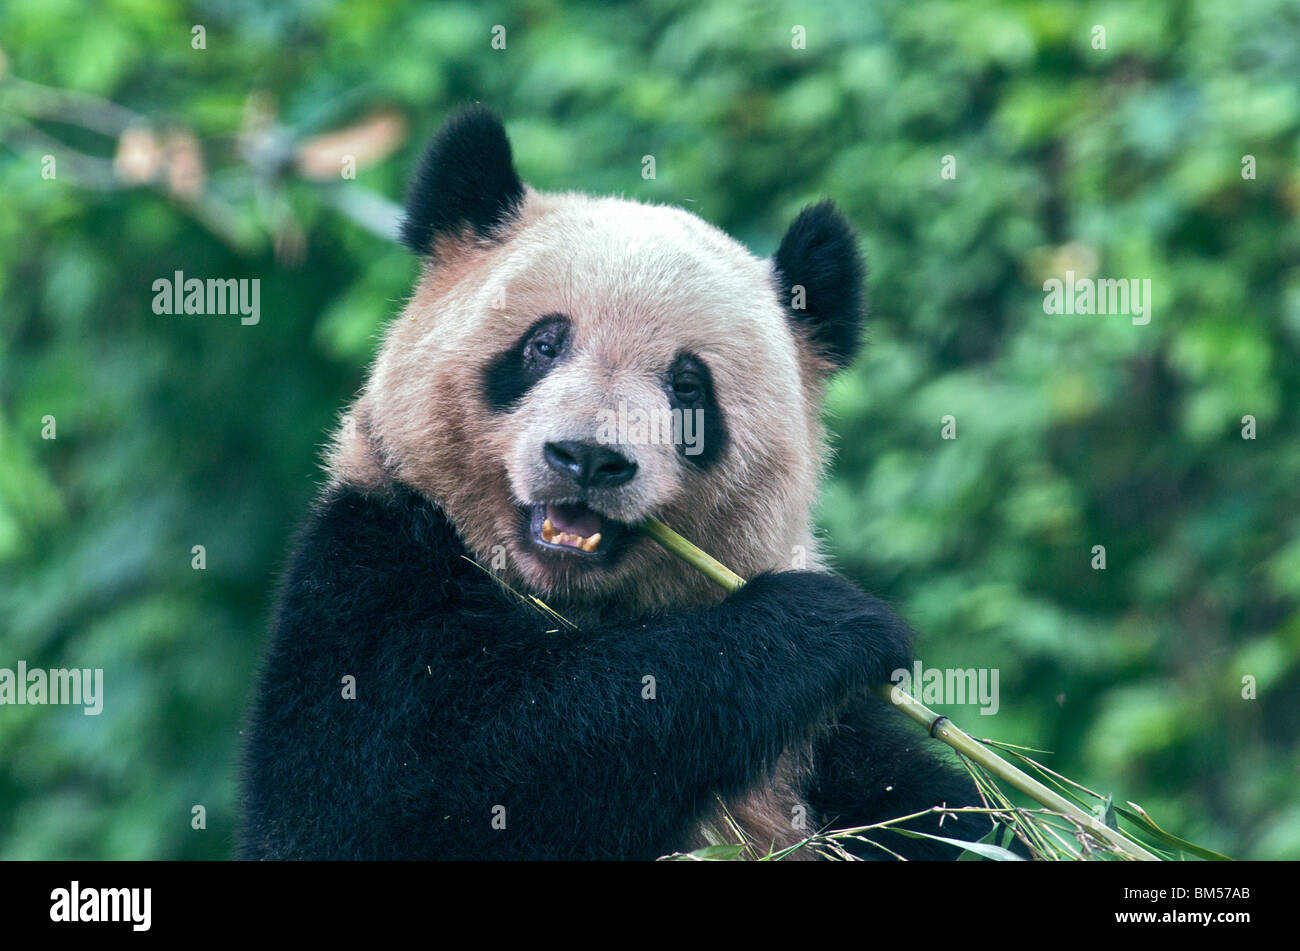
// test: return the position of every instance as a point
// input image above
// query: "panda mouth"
(572, 528)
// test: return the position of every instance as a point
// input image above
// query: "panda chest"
(771, 816)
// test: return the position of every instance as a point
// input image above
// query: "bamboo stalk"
(713, 569)
(944, 729)
(937, 725)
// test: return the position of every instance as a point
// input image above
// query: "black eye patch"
(541, 347)
(703, 431)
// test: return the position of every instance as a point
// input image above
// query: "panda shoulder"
(391, 529)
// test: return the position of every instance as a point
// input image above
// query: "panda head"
(568, 366)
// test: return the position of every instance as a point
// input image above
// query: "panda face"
(642, 366)
(569, 366)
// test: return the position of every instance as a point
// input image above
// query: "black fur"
(466, 700)
(466, 179)
(875, 765)
(516, 371)
(711, 437)
(820, 253)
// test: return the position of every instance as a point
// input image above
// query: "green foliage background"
(1072, 431)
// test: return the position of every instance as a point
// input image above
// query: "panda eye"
(535, 353)
(549, 344)
(688, 389)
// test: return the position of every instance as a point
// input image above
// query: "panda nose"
(589, 465)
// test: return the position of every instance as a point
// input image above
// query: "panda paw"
(817, 607)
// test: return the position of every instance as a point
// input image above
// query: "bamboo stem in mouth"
(713, 569)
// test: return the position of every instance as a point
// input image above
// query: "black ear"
(819, 254)
(466, 179)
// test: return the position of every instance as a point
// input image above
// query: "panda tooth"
(556, 537)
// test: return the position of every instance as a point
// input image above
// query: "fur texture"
(819, 254)
(466, 179)
(535, 315)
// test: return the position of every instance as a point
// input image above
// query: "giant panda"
(417, 702)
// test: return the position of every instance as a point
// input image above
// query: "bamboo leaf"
(1139, 817)
(981, 848)
(714, 853)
